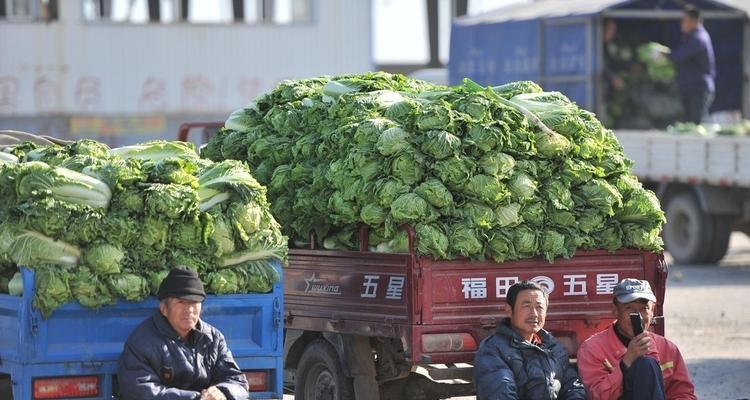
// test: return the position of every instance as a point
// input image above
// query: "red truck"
(368, 325)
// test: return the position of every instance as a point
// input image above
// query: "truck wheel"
(722, 229)
(688, 231)
(320, 376)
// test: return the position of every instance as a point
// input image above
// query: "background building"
(127, 71)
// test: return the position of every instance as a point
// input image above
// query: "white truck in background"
(703, 184)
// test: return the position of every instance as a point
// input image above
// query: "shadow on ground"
(704, 276)
(721, 379)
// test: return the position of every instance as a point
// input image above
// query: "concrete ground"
(707, 311)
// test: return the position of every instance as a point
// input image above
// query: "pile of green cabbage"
(504, 173)
(741, 128)
(97, 224)
(658, 66)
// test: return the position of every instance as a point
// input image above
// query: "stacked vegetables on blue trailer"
(97, 224)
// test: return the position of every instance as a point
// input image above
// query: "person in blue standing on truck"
(696, 66)
(175, 355)
(522, 360)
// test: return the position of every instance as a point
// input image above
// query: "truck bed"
(80, 341)
(406, 296)
(692, 159)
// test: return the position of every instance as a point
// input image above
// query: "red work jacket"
(599, 366)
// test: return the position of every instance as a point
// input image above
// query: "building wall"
(103, 72)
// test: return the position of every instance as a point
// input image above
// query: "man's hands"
(638, 347)
(212, 393)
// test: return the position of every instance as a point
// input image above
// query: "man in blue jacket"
(174, 355)
(696, 66)
(522, 360)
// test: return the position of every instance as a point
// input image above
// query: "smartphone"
(636, 323)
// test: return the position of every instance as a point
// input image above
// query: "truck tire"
(722, 230)
(320, 376)
(688, 231)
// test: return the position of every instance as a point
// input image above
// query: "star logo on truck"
(321, 286)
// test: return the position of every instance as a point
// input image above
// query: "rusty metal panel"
(341, 289)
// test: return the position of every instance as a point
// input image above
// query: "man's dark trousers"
(696, 101)
(643, 381)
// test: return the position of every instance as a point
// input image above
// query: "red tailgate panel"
(579, 288)
(349, 292)
(472, 294)
(399, 295)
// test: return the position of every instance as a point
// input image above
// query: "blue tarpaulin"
(557, 43)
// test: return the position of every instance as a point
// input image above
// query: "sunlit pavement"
(708, 316)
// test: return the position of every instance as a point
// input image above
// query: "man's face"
(643, 307)
(182, 314)
(688, 24)
(610, 30)
(529, 312)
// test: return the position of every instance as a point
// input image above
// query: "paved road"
(708, 316)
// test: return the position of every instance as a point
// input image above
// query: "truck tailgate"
(356, 292)
(692, 159)
(473, 295)
(417, 299)
(579, 288)
(77, 334)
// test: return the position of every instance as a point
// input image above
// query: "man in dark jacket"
(696, 66)
(522, 361)
(174, 355)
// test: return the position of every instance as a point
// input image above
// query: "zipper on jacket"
(195, 363)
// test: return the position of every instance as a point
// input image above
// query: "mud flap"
(361, 366)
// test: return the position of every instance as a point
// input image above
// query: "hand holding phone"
(637, 323)
(637, 347)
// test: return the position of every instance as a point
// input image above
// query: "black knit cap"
(182, 283)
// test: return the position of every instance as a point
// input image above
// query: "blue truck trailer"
(559, 44)
(73, 354)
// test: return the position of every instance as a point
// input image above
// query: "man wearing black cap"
(175, 355)
(617, 363)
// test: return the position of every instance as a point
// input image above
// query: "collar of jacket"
(165, 328)
(504, 329)
(695, 33)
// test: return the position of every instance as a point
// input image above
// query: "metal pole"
(432, 27)
(154, 11)
(184, 10)
(238, 10)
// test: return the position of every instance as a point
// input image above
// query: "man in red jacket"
(616, 364)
